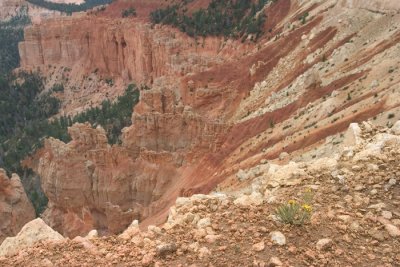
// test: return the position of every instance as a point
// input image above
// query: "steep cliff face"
(91, 185)
(116, 48)
(15, 207)
(214, 107)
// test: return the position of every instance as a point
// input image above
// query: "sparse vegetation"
(130, 12)
(25, 110)
(109, 81)
(303, 18)
(11, 33)
(233, 18)
(296, 212)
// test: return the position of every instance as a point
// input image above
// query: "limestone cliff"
(15, 207)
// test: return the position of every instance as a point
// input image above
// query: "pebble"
(278, 238)
(387, 214)
(392, 230)
(259, 246)
(274, 261)
(324, 244)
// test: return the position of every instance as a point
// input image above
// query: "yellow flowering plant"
(294, 212)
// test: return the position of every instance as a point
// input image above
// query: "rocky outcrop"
(92, 185)
(33, 232)
(15, 208)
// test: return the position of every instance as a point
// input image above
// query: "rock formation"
(15, 208)
(92, 185)
(9, 8)
(33, 232)
(214, 106)
(351, 204)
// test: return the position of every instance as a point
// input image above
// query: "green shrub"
(233, 18)
(130, 12)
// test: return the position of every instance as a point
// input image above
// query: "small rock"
(392, 230)
(92, 234)
(46, 263)
(391, 183)
(132, 230)
(255, 199)
(396, 128)
(324, 244)
(204, 253)
(165, 249)
(154, 229)
(373, 192)
(387, 214)
(211, 238)
(203, 223)
(147, 259)
(274, 261)
(355, 226)
(376, 234)
(278, 238)
(378, 206)
(259, 246)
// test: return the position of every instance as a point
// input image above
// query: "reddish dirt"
(275, 13)
(367, 54)
(236, 74)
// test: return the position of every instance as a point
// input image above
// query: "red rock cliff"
(15, 208)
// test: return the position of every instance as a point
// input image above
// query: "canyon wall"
(15, 207)
(115, 48)
(214, 107)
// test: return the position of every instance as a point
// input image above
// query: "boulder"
(255, 199)
(33, 232)
(352, 136)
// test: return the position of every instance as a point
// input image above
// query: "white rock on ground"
(33, 232)
(396, 128)
(254, 199)
(132, 230)
(278, 238)
(324, 244)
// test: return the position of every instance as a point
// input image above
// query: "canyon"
(211, 109)
(214, 106)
